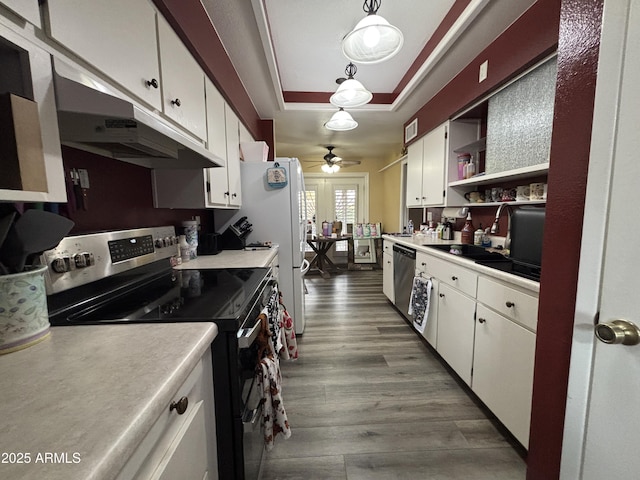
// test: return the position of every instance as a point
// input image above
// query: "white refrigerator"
(278, 215)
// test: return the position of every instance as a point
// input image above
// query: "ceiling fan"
(332, 160)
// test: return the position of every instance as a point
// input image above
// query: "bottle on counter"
(439, 230)
(477, 236)
(410, 229)
(468, 231)
(486, 239)
(185, 248)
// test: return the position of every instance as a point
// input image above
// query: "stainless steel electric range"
(127, 277)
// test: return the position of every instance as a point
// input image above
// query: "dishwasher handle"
(406, 251)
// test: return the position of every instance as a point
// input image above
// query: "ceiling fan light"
(351, 93)
(341, 121)
(326, 168)
(372, 40)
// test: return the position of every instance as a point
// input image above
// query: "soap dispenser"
(467, 231)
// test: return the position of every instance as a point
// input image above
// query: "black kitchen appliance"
(209, 244)
(234, 237)
(127, 277)
(525, 256)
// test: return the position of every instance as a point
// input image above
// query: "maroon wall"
(528, 39)
(120, 197)
(578, 48)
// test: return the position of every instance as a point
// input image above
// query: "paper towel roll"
(454, 212)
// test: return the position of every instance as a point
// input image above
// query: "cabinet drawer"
(450, 274)
(387, 247)
(513, 304)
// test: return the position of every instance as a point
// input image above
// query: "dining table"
(321, 246)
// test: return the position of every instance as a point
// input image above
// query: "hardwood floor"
(367, 399)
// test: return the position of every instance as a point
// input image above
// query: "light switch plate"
(484, 70)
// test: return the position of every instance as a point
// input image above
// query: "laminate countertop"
(233, 259)
(77, 404)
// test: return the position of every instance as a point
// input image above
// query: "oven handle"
(251, 423)
(246, 336)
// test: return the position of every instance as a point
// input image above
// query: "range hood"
(90, 118)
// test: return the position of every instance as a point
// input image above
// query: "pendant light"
(341, 121)
(350, 93)
(373, 39)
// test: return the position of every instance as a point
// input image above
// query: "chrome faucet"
(495, 227)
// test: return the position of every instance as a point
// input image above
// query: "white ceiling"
(294, 45)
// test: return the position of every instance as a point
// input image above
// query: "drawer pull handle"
(454, 278)
(176, 102)
(424, 264)
(481, 320)
(441, 295)
(152, 83)
(180, 406)
(510, 304)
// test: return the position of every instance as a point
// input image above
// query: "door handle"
(618, 331)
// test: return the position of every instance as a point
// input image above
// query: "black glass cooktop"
(531, 272)
(169, 296)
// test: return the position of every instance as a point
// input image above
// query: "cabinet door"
(414, 174)
(186, 457)
(216, 144)
(456, 330)
(117, 37)
(183, 89)
(27, 9)
(387, 276)
(433, 166)
(233, 158)
(503, 370)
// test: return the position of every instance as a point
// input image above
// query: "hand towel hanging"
(419, 302)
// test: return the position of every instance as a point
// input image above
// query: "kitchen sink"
(472, 252)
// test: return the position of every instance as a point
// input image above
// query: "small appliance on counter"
(235, 236)
(209, 244)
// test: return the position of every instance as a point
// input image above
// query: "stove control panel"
(82, 259)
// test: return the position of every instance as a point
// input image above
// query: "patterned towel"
(419, 302)
(274, 416)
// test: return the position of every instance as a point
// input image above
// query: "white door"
(602, 427)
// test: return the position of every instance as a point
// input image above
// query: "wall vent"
(411, 131)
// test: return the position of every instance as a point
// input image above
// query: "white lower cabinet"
(484, 328)
(456, 330)
(387, 275)
(504, 355)
(182, 442)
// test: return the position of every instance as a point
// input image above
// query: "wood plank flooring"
(368, 400)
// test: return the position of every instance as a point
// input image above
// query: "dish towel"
(274, 417)
(419, 302)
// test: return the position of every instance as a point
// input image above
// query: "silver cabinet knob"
(618, 331)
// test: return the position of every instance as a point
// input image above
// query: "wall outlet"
(484, 70)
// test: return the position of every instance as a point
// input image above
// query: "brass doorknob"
(618, 331)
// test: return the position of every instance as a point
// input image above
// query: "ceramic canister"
(24, 317)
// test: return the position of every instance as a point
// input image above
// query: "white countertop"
(90, 394)
(419, 241)
(233, 259)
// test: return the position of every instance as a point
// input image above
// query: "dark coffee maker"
(234, 237)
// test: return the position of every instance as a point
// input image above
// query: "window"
(340, 197)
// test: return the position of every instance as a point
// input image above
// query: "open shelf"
(514, 202)
(516, 174)
(477, 146)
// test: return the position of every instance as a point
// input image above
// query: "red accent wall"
(120, 197)
(578, 49)
(528, 39)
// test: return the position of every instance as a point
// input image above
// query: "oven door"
(253, 446)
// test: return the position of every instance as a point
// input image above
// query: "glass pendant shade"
(341, 121)
(372, 40)
(326, 168)
(351, 93)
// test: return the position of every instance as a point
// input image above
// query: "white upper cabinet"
(39, 89)
(233, 157)
(430, 161)
(183, 88)
(116, 37)
(27, 9)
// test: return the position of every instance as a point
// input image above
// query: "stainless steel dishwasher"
(404, 266)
